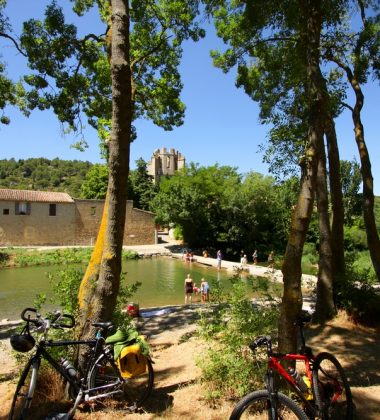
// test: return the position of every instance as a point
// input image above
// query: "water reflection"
(162, 283)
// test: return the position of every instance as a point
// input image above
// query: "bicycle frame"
(78, 384)
(274, 365)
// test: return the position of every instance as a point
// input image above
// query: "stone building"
(55, 218)
(165, 163)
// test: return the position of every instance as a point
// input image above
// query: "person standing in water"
(189, 288)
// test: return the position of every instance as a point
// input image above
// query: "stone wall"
(37, 228)
(74, 224)
(140, 228)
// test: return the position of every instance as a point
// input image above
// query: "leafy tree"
(276, 47)
(352, 199)
(126, 73)
(11, 93)
(215, 206)
(141, 186)
(197, 198)
(357, 55)
(95, 184)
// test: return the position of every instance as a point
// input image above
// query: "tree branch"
(4, 35)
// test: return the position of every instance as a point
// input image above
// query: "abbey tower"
(165, 163)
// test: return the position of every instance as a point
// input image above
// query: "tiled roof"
(35, 196)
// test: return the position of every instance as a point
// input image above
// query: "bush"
(178, 234)
(65, 286)
(4, 258)
(232, 322)
(355, 238)
(310, 258)
(355, 293)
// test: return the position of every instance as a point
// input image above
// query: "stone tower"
(165, 163)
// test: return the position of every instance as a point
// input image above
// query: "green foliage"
(78, 66)
(65, 286)
(44, 174)
(4, 258)
(355, 293)
(351, 179)
(96, 182)
(23, 257)
(310, 259)
(217, 207)
(130, 255)
(142, 189)
(355, 237)
(20, 257)
(231, 323)
(178, 235)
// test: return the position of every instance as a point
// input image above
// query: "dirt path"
(178, 393)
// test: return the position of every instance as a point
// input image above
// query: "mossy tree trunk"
(100, 285)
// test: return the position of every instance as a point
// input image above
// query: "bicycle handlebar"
(261, 341)
(54, 319)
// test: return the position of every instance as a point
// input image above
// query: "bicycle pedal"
(131, 409)
(57, 416)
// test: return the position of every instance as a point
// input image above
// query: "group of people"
(191, 288)
(255, 258)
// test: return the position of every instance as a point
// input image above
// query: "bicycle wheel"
(23, 397)
(331, 389)
(256, 405)
(133, 391)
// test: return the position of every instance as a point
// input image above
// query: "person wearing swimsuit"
(189, 288)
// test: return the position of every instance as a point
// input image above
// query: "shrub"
(355, 238)
(229, 325)
(4, 258)
(310, 259)
(355, 293)
(65, 286)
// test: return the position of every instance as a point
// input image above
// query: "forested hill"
(44, 174)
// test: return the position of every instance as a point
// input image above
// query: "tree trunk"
(100, 285)
(368, 196)
(325, 308)
(337, 232)
(292, 296)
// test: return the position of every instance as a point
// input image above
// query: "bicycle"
(323, 389)
(102, 378)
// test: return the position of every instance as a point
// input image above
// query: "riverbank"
(178, 391)
(160, 269)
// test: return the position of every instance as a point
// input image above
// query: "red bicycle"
(323, 390)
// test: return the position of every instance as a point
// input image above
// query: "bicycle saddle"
(103, 325)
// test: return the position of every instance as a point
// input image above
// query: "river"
(162, 283)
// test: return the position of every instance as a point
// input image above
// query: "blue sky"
(221, 124)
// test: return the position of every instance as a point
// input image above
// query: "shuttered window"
(22, 208)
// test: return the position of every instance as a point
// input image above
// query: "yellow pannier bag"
(131, 361)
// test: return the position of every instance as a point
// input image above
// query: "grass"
(23, 257)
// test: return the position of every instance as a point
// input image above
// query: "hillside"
(44, 175)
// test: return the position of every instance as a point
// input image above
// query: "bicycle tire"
(23, 396)
(329, 380)
(256, 405)
(134, 390)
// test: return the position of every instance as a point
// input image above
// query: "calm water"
(162, 283)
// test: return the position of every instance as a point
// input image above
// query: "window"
(93, 211)
(5, 211)
(22, 208)
(52, 209)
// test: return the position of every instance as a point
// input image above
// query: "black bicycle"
(104, 378)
